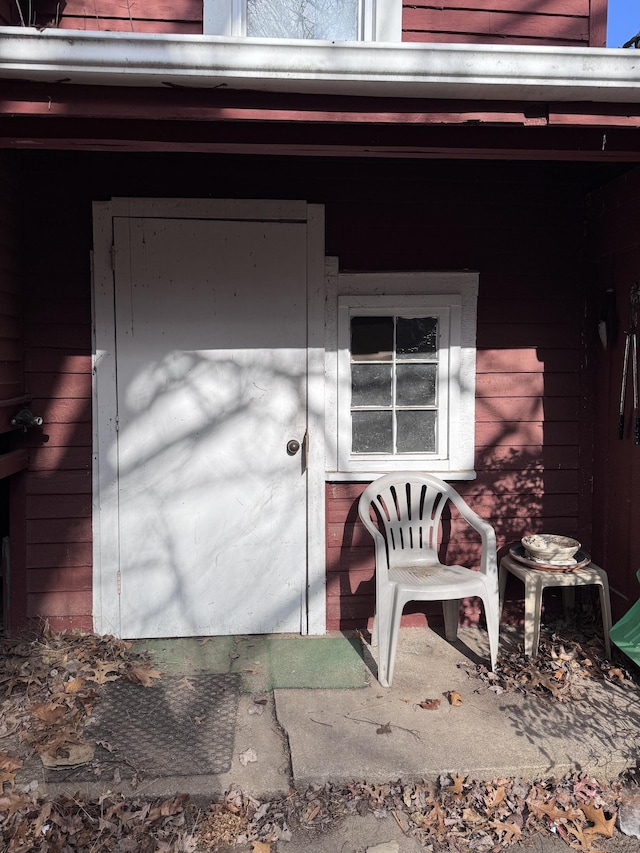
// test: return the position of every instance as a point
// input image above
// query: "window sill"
(369, 476)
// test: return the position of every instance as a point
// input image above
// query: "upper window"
(405, 371)
(326, 20)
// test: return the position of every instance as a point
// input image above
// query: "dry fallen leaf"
(615, 672)
(165, 808)
(495, 797)
(247, 757)
(75, 685)
(261, 847)
(8, 767)
(67, 755)
(42, 818)
(601, 824)
(430, 704)
(470, 815)
(458, 782)
(508, 832)
(142, 674)
(48, 712)
(313, 813)
(454, 697)
(102, 671)
(12, 803)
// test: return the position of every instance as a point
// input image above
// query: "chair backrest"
(408, 510)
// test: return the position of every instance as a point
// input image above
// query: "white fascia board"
(502, 72)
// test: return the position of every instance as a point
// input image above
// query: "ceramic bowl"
(550, 546)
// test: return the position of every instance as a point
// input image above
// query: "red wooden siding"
(519, 224)
(6, 14)
(615, 213)
(533, 445)
(58, 376)
(142, 16)
(11, 380)
(558, 22)
(564, 22)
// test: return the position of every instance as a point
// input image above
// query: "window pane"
(303, 19)
(416, 337)
(416, 384)
(416, 432)
(372, 432)
(371, 338)
(371, 385)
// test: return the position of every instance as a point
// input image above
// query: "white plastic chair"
(403, 514)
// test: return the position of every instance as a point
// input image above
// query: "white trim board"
(409, 70)
(458, 291)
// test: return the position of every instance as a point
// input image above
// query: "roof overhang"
(406, 70)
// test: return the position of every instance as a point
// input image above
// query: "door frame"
(106, 584)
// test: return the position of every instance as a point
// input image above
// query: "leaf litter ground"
(50, 685)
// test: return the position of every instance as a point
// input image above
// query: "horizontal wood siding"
(58, 376)
(11, 375)
(12, 460)
(574, 23)
(519, 225)
(145, 16)
(615, 245)
(560, 22)
(533, 443)
(6, 13)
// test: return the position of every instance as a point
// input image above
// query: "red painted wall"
(57, 499)
(522, 229)
(558, 22)
(615, 213)
(11, 381)
(521, 225)
(563, 22)
(6, 14)
(11, 384)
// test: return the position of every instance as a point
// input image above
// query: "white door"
(211, 376)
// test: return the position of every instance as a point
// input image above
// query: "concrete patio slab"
(302, 736)
(342, 736)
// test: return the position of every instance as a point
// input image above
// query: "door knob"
(293, 446)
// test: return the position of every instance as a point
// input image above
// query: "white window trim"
(381, 20)
(454, 294)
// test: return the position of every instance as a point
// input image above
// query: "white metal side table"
(537, 580)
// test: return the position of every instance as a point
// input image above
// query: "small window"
(395, 390)
(406, 375)
(324, 20)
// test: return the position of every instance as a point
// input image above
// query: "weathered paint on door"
(211, 331)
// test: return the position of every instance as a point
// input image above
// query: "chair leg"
(532, 615)
(492, 615)
(383, 630)
(502, 585)
(451, 611)
(568, 601)
(374, 630)
(398, 607)
(605, 609)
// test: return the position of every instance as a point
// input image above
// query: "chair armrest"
(489, 557)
